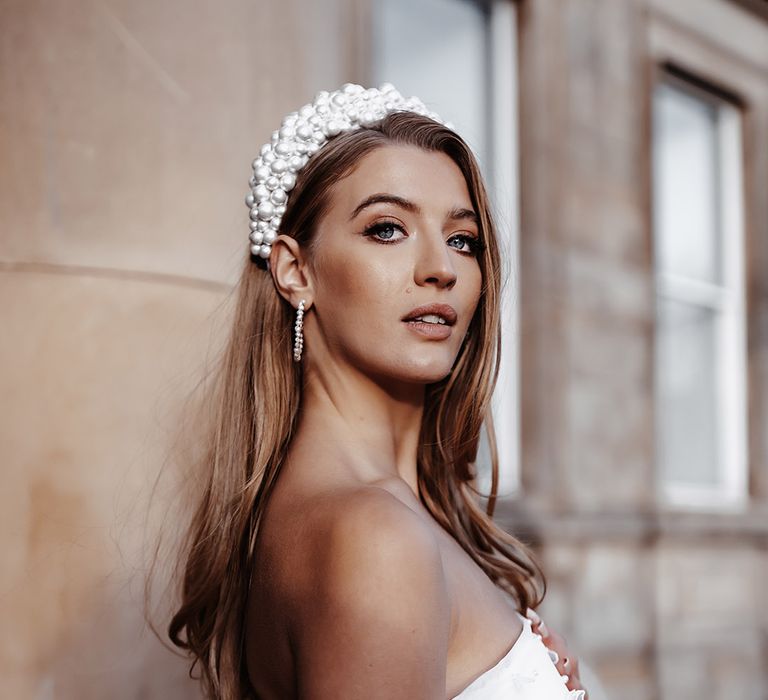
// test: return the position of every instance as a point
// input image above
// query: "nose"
(434, 264)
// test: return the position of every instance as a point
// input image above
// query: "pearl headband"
(302, 134)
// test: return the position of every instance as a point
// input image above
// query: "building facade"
(643, 251)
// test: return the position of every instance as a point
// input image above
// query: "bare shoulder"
(379, 601)
(351, 533)
(369, 515)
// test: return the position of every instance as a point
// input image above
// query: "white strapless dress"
(526, 672)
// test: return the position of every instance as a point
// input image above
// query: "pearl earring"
(298, 342)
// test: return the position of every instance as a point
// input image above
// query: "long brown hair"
(255, 401)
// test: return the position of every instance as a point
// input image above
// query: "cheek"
(354, 279)
(365, 291)
(473, 289)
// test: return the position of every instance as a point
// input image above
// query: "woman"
(337, 550)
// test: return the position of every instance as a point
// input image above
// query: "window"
(700, 366)
(459, 57)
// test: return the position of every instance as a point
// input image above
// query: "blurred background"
(625, 145)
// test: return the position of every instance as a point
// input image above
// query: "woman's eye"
(384, 231)
(466, 244)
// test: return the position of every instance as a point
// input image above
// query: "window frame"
(727, 300)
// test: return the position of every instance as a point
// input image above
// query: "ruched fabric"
(526, 672)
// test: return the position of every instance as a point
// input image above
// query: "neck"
(357, 428)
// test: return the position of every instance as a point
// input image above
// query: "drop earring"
(298, 342)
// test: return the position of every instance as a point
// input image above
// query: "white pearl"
(280, 209)
(294, 164)
(256, 237)
(278, 196)
(284, 148)
(249, 200)
(255, 249)
(254, 225)
(261, 191)
(265, 211)
(305, 132)
(269, 237)
(264, 250)
(313, 148)
(287, 132)
(279, 166)
(287, 181)
(262, 226)
(332, 128)
(254, 213)
(272, 183)
(270, 157)
(274, 222)
(306, 111)
(262, 173)
(266, 148)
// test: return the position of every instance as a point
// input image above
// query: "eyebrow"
(455, 214)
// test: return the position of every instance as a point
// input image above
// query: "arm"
(377, 623)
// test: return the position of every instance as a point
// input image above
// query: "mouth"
(439, 314)
(433, 321)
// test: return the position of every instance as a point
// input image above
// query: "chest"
(485, 623)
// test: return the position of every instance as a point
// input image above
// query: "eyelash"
(475, 244)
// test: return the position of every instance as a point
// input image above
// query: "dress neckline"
(504, 661)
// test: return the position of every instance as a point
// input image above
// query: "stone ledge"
(640, 526)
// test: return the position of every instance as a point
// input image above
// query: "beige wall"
(127, 130)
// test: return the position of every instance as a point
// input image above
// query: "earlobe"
(289, 270)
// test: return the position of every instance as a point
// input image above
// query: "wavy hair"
(254, 403)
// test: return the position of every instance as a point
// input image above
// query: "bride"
(337, 549)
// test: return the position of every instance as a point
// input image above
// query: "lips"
(444, 311)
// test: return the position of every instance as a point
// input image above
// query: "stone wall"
(127, 131)
(662, 604)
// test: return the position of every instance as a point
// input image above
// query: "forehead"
(429, 178)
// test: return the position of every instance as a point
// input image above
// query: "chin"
(407, 365)
(426, 370)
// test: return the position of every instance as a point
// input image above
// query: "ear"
(290, 271)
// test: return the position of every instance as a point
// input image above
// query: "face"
(401, 233)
